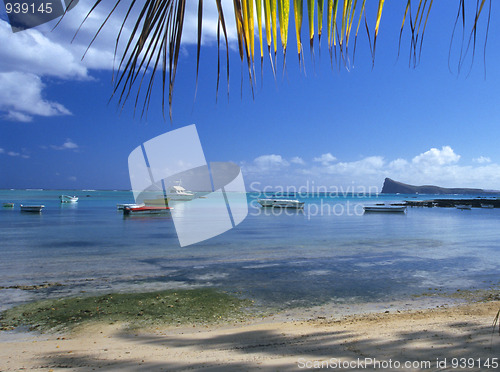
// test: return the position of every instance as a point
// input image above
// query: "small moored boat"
(121, 206)
(489, 206)
(32, 208)
(385, 208)
(281, 203)
(179, 193)
(144, 209)
(68, 199)
(463, 206)
(8, 205)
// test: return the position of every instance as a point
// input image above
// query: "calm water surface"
(330, 252)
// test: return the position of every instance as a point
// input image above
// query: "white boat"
(385, 208)
(177, 192)
(487, 206)
(174, 193)
(32, 208)
(120, 207)
(463, 206)
(68, 199)
(281, 203)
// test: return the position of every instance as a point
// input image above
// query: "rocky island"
(395, 187)
(478, 198)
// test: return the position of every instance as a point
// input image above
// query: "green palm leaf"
(153, 42)
(298, 9)
(283, 16)
(310, 13)
(321, 3)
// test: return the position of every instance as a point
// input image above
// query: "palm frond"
(408, 5)
(298, 8)
(418, 25)
(332, 24)
(310, 13)
(243, 40)
(362, 11)
(198, 47)
(221, 24)
(377, 25)
(270, 31)
(283, 17)
(321, 4)
(275, 27)
(258, 7)
(153, 42)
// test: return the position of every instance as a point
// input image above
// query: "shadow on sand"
(244, 349)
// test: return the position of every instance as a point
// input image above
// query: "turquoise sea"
(329, 252)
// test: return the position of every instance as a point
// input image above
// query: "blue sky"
(327, 127)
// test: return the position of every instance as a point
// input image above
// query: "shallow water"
(329, 252)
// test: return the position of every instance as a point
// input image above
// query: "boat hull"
(144, 210)
(487, 206)
(281, 203)
(384, 209)
(121, 206)
(68, 199)
(32, 208)
(181, 196)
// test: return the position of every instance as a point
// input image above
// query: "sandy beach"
(412, 340)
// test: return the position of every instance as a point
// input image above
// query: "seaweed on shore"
(171, 307)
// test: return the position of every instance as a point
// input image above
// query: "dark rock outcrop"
(395, 187)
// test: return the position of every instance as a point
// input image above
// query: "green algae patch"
(172, 307)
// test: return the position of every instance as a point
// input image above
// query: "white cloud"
(18, 116)
(325, 159)
(57, 53)
(32, 52)
(297, 160)
(482, 160)
(267, 162)
(436, 167)
(15, 154)
(435, 157)
(368, 165)
(68, 145)
(42, 52)
(21, 97)
(398, 164)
